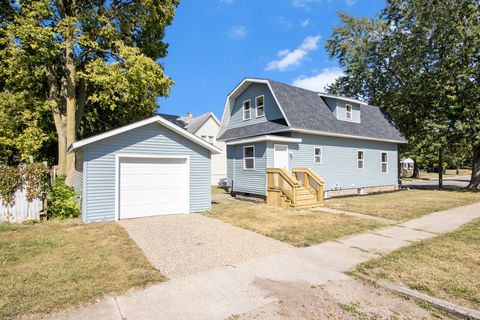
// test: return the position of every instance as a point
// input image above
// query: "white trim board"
(145, 156)
(265, 138)
(158, 119)
(327, 95)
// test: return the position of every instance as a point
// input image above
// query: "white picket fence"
(21, 210)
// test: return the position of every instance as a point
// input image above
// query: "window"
(249, 158)
(317, 155)
(384, 162)
(259, 102)
(246, 110)
(210, 139)
(204, 138)
(360, 159)
(348, 112)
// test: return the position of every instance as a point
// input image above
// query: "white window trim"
(249, 169)
(363, 159)
(250, 110)
(263, 107)
(347, 112)
(381, 162)
(314, 155)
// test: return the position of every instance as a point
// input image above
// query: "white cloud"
(303, 3)
(289, 59)
(305, 22)
(226, 2)
(320, 81)
(237, 32)
(285, 22)
(350, 2)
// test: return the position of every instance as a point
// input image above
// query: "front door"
(280, 156)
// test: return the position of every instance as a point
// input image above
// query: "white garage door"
(152, 187)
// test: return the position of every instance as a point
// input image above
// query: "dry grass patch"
(296, 227)
(447, 267)
(56, 265)
(404, 205)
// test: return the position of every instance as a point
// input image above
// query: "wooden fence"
(21, 210)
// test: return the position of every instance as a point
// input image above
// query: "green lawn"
(52, 266)
(404, 205)
(296, 227)
(447, 267)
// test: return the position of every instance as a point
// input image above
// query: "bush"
(61, 201)
(10, 181)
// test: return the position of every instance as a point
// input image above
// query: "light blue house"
(148, 168)
(349, 144)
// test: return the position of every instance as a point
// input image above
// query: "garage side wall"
(153, 139)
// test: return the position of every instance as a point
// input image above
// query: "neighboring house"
(407, 164)
(206, 127)
(148, 168)
(351, 145)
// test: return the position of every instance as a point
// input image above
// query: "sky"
(214, 44)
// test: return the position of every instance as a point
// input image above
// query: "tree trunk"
(475, 178)
(440, 168)
(70, 102)
(416, 169)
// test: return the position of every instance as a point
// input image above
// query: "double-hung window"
(384, 162)
(249, 158)
(348, 112)
(246, 110)
(259, 106)
(360, 159)
(317, 155)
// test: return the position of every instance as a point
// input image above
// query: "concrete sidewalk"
(218, 293)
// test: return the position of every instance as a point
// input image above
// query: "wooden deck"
(303, 188)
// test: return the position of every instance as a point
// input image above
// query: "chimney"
(190, 115)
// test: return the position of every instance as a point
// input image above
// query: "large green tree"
(78, 66)
(420, 60)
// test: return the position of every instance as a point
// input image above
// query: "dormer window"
(348, 112)
(246, 110)
(259, 104)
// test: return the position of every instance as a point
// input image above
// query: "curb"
(446, 306)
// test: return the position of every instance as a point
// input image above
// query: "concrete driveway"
(181, 245)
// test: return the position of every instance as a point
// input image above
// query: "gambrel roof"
(306, 111)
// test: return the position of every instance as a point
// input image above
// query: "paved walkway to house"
(221, 292)
(184, 244)
(353, 214)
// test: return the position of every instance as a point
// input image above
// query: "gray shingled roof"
(305, 109)
(186, 122)
(255, 129)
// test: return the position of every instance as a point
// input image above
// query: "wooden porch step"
(308, 204)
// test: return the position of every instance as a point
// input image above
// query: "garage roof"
(158, 119)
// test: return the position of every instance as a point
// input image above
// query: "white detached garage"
(149, 168)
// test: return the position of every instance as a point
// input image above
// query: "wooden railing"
(310, 180)
(280, 180)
